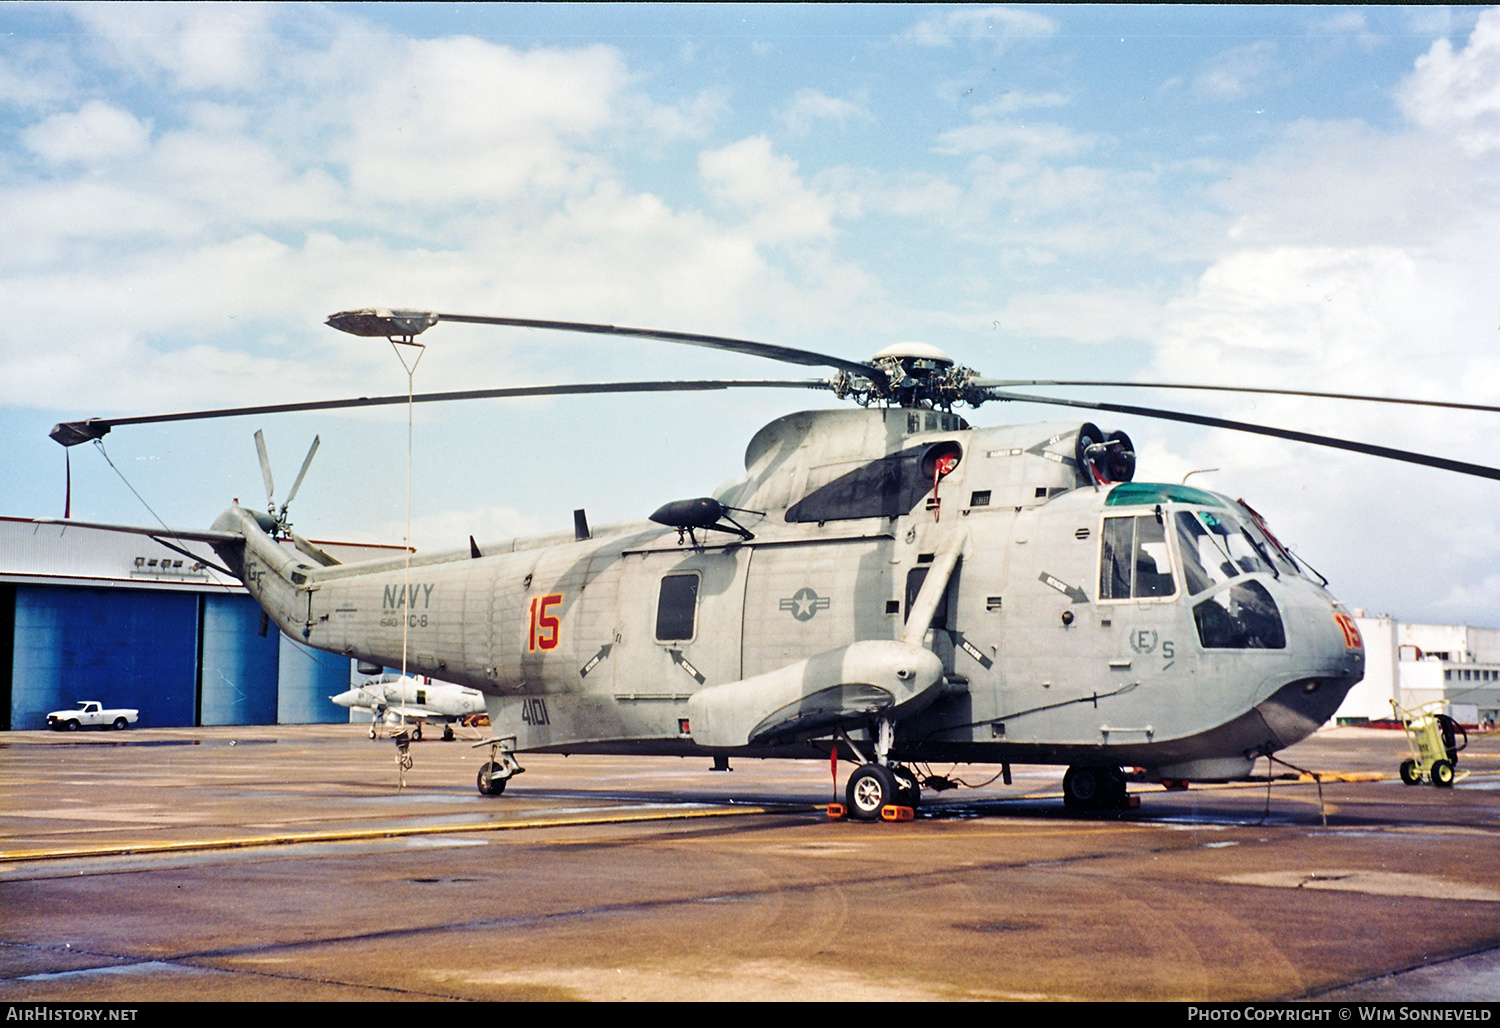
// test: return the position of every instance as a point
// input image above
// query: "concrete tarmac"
(290, 863)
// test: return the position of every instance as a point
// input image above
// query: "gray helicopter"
(886, 583)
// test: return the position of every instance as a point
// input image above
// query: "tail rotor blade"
(306, 461)
(265, 468)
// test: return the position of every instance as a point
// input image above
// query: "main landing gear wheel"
(1093, 788)
(492, 779)
(871, 787)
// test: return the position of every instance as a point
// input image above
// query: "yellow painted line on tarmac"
(1346, 776)
(367, 834)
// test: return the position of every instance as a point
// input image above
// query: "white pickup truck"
(90, 712)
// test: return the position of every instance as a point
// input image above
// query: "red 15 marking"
(543, 632)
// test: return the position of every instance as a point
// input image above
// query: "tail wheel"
(492, 779)
(870, 788)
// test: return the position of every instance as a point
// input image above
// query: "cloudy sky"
(1291, 197)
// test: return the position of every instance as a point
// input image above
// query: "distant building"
(1415, 664)
(89, 614)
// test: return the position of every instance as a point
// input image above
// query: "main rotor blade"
(305, 463)
(265, 465)
(988, 383)
(352, 321)
(1407, 456)
(71, 433)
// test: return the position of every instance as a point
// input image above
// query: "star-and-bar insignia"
(805, 603)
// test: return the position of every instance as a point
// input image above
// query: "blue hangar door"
(181, 658)
(124, 647)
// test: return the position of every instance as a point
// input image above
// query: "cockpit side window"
(1242, 617)
(1133, 559)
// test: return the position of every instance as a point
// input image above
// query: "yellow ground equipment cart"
(1433, 738)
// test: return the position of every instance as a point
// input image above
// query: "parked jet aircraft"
(403, 699)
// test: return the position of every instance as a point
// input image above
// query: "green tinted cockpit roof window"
(1132, 493)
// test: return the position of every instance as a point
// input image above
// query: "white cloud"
(1459, 93)
(748, 177)
(1236, 73)
(196, 45)
(1013, 100)
(1027, 142)
(96, 133)
(463, 120)
(35, 75)
(1349, 184)
(810, 107)
(1102, 315)
(996, 25)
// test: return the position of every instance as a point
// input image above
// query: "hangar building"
(88, 614)
(1458, 665)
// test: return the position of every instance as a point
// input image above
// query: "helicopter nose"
(1333, 662)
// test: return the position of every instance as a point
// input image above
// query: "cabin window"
(1133, 561)
(677, 608)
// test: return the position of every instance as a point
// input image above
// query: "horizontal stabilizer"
(314, 551)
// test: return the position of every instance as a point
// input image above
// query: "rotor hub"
(919, 375)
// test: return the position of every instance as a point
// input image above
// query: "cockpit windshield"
(1218, 544)
(1217, 547)
(1255, 526)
